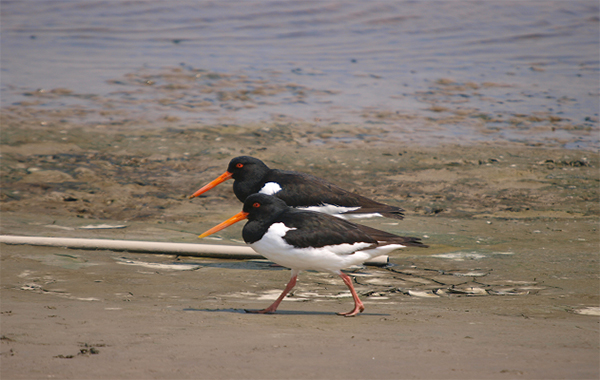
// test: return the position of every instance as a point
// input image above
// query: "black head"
(246, 166)
(263, 207)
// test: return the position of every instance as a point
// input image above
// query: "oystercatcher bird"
(303, 240)
(300, 190)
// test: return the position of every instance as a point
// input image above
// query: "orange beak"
(222, 178)
(234, 219)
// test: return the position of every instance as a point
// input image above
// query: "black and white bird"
(298, 190)
(305, 240)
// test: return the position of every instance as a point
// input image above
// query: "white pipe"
(183, 249)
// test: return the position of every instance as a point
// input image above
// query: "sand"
(508, 288)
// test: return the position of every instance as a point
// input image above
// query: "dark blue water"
(355, 60)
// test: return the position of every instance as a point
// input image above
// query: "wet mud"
(508, 287)
(140, 173)
(441, 111)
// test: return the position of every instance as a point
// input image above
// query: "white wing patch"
(270, 188)
(339, 211)
(329, 209)
(358, 216)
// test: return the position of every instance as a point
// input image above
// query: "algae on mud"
(140, 174)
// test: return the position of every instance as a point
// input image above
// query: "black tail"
(393, 215)
(412, 242)
(388, 238)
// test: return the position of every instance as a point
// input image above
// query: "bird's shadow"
(257, 264)
(278, 312)
(261, 264)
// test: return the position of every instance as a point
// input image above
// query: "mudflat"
(508, 288)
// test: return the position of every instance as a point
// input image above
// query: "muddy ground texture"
(507, 289)
(114, 173)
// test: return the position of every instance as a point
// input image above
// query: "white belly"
(328, 258)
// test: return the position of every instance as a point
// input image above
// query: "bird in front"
(308, 240)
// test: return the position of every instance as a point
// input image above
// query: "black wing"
(387, 238)
(303, 190)
(313, 229)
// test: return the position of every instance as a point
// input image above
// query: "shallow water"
(522, 71)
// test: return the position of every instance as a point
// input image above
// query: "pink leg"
(358, 305)
(271, 309)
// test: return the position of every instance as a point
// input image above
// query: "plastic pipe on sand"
(182, 249)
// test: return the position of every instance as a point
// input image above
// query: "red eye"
(256, 205)
(240, 165)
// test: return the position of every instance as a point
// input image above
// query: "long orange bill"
(222, 178)
(234, 219)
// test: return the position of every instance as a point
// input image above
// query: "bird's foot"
(356, 311)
